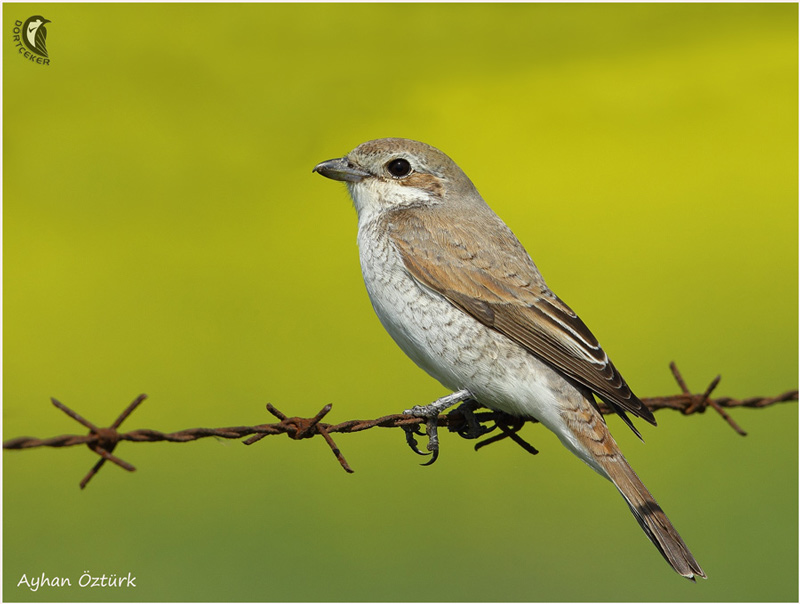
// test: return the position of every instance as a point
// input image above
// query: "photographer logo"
(30, 38)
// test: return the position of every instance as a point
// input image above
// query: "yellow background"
(163, 233)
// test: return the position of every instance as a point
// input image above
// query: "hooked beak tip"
(340, 169)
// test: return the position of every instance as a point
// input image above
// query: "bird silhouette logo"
(34, 35)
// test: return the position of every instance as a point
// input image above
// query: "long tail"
(652, 518)
(593, 443)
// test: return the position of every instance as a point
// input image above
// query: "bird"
(460, 295)
(36, 34)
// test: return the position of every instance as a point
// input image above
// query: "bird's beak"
(340, 169)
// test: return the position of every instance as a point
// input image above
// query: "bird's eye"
(399, 167)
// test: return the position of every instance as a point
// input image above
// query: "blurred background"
(163, 233)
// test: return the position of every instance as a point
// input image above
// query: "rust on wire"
(699, 404)
(103, 441)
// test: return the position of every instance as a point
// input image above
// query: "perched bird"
(36, 34)
(460, 295)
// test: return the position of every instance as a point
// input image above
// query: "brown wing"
(482, 269)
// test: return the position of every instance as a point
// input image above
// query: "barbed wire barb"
(706, 398)
(462, 420)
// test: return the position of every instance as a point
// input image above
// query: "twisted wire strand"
(104, 440)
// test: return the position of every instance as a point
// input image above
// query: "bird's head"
(394, 173)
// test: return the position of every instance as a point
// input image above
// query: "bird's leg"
(439, 405)
(431, 413)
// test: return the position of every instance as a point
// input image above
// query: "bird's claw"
(432, 459)
(433, 439)
(431, 415)
(411, 441)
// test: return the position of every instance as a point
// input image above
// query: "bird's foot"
(433, 440)
(464, 421)
(509, 427)
(431, 414)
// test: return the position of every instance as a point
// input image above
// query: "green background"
(163, 233)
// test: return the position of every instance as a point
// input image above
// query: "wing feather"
(487, 273)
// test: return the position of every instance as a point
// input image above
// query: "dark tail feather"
(652, 519)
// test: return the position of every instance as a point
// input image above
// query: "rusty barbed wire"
(461, 420)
